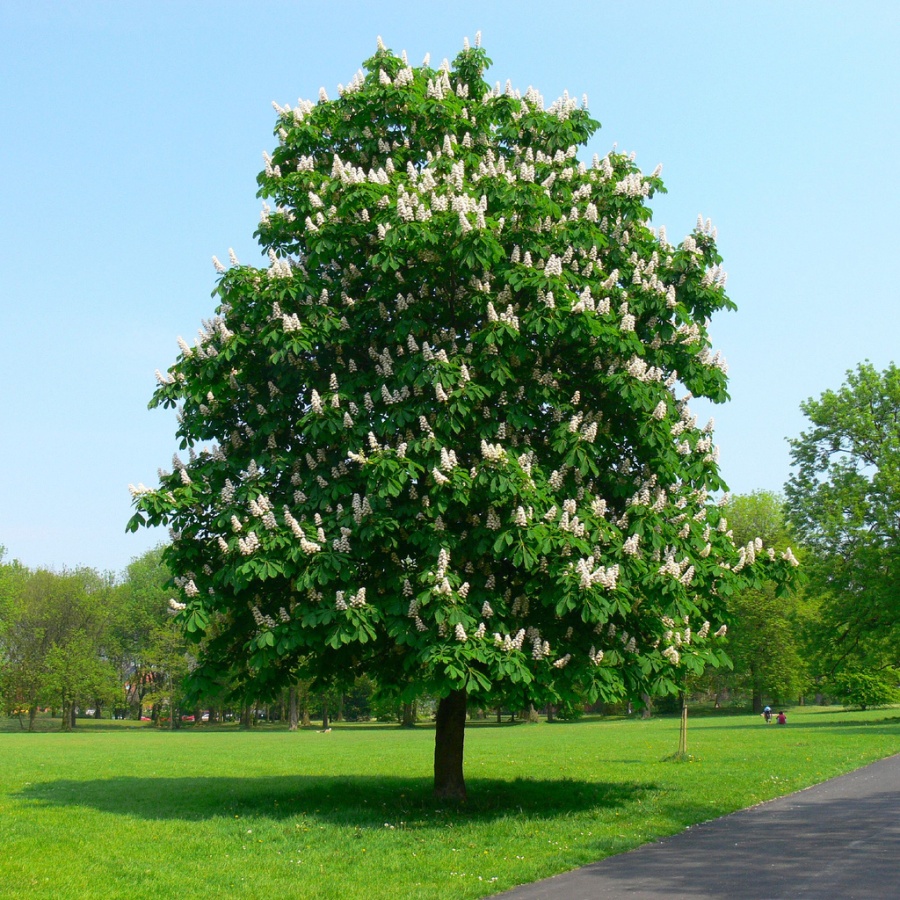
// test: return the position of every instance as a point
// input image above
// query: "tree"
(56, 643)
(764, 640)
(151, 651)
(440, 438)
(867, 689)
(843, 500)
(12, 576)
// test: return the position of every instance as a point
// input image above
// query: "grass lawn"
(139, 813)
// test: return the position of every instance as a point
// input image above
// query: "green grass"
(138, 813)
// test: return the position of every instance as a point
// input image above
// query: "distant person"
(782, 719)
(767, 714)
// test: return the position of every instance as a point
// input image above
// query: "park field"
(140, 813)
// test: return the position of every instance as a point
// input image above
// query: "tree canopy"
(764, 643)
(844, 502)
(445, 434)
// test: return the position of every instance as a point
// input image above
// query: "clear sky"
(131, 135)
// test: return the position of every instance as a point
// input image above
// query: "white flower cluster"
(675, 569)
(175, 605)
(747, 554)
(672, 655)
(553, 266)
(248, 544)
(262, 621)
(539, 648)
(291, 323)
(607, 577)
(789, 556)
(506, 642)
(307, 546)
(342, 544)
(570, 522)
(361, 508)
(493, 452)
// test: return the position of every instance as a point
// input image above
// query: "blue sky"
(132, 134)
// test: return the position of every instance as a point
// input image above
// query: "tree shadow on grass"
(361, 801)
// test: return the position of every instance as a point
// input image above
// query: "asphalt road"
(838, 839)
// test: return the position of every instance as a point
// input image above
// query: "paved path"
(839, 839)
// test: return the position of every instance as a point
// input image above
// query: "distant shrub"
(867, 689)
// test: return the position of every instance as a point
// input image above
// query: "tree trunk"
(32, 715)
(325, 723)
(499, 715)
(551, 712)
(73, 722)
(530, 714)
(647, 711)
(450, 733)
(757, 701)
(408, 715)
(340, 710)
(245, 716)
(293, 708)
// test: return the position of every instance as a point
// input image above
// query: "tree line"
(80, 639)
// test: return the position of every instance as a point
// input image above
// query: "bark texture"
(449, 737)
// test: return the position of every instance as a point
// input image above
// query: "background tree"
(844, 502)
(56, 644)
(764, 641)
(151, 651)
(443, 438)
(867, 689)
(12, 577)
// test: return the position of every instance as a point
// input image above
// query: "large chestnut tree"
(444, 437)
